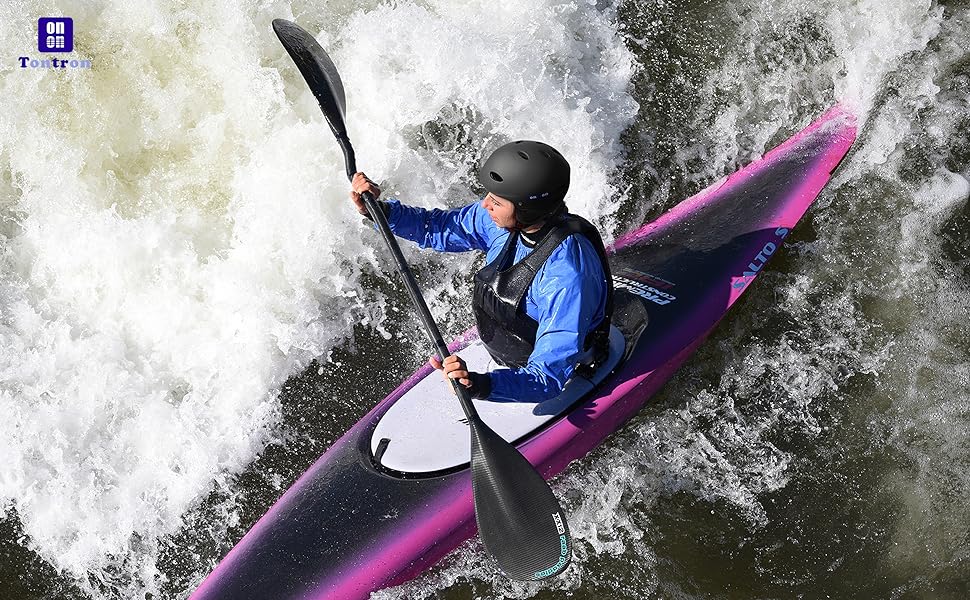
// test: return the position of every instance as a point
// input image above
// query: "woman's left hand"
(453, 367)
(479, 385)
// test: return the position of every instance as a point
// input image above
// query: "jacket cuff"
(481, 387)
(385, 208)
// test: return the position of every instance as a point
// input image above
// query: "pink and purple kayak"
(352, 524)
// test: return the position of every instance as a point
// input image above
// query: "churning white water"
(177, 240)
(176, 243)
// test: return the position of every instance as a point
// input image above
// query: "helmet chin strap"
(523, 228)
(519, 226)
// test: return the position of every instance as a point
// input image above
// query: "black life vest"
(507, 331)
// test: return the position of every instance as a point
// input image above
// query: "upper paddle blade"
(318, 70)
(519, 519)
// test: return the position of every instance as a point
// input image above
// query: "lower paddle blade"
(519, 519)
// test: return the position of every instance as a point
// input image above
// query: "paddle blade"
(318, 70)
(519, 519)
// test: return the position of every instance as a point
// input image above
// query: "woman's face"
(501, 210)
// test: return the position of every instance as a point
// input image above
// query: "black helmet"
(532, 175)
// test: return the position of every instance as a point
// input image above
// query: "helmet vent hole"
(495, 176)
(546, 154)
(523, 155)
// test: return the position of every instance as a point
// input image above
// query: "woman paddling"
(543, 301)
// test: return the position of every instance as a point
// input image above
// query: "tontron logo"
(55, 34)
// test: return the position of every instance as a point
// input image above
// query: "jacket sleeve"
(455, 230)
(566, 303)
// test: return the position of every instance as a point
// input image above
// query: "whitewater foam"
(194, 246)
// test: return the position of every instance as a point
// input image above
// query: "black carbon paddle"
(519, 518)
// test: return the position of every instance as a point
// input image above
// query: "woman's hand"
(360, 184)
(453, 367)
(479, 385)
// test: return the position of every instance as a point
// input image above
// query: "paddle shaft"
(430, 327)
(519, 518)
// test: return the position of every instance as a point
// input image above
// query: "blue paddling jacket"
(567, 297)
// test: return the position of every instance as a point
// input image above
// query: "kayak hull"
(346, 528)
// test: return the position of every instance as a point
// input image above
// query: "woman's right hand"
(360, 184)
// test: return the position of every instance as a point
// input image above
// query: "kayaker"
(543, 301)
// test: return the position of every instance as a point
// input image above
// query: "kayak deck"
(426, 433)
(347, 528)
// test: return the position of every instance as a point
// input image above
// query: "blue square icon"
(55, 34)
